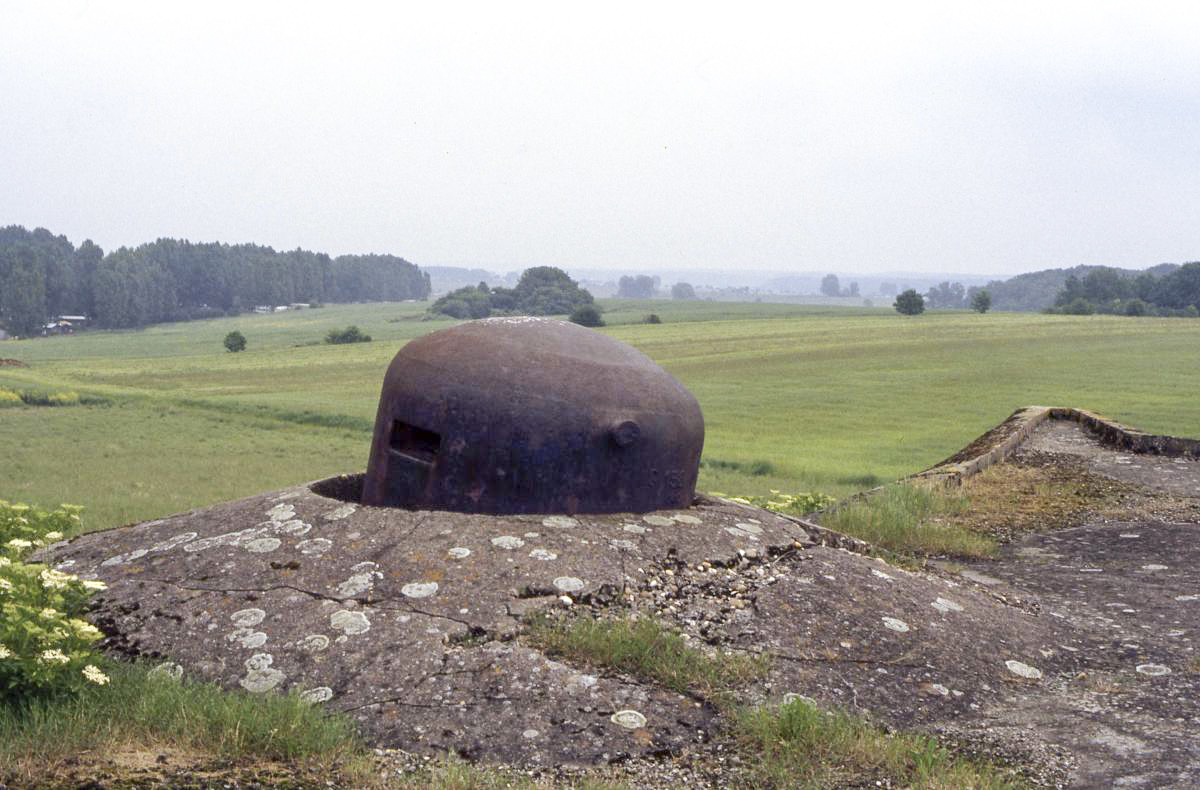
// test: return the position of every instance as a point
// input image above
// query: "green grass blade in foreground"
(143, 711)
(910, 520)
(799, 745)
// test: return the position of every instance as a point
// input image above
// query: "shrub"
(235, 341)
(1079, 306)
(981, 302)
(351, 334)
(587, 315)
(36, 398)
(9, 398)
(653, 319)
(909, 303)
(45, 645)
(1135, 307)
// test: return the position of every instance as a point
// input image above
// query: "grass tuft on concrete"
(647, 649)
(911, 520)
(800, 745)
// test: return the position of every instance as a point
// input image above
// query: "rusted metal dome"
(531, 415)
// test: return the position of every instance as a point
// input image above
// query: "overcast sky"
(836, 136)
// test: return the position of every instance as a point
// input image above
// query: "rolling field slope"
(795, 398)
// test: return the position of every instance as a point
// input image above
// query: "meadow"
(795, 397)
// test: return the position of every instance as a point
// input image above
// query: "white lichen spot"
(532, 535)
(1129, 535)
(895, 624)
(543, 554)
(750, 526)
(167, 670)
(944, 605)
(1023, 670)
(170, 543)
(881, 574)
(508, 542)
(684, 518)
(658, 521)
(314, 546)
(356, 585)
(282, 512)
(295, 527)
(247, 638)
(248, 618)
(349, 623)
(636, 529)
(128, 556)
(459, 553)
(340, 513)
(313, 643)
(939, 689)
(1153, 670)
(792, 696)
(740, 533)
(530, 734)
(629, 719)
(261, 680)
(259, 661)
(562, 522)
(569, 584)
(1186, 598)
(262, 545)
(623, 545)
(1154, 567)
(419, 589)
(318, 694)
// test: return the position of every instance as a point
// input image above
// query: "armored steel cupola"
(531, 415)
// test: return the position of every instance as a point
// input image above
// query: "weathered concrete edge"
(1024, 421)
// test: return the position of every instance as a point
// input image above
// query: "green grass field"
(794, 397)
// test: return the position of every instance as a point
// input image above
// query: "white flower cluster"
(93, 674)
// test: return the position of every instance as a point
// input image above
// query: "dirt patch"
(12, 363)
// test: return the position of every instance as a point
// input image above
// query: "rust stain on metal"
(530, 415)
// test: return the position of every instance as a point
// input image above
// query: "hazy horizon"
(872, 138)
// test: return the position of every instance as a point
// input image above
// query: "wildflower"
(49, 613)
(93, 673)
(94, 584)
(18, 543)
(5, 585)
(54, 580)
(5, 561)
(54, 536)
(5, 652)
(55, 656)
(85, 629)
(18, 508)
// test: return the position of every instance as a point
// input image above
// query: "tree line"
(542, 290)
(43, 275)
(1107, 290)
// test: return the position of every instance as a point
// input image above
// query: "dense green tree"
(586, 315)
(235, 341)
(683, 291)
(830, 286)
(23, 297)
(981, 301)
(640, 287)
(542, 290)
(909, 303)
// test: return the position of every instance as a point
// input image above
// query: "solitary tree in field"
(830, 285)
(909, 303)
(235, 341)
(981, 302)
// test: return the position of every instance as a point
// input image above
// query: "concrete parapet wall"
(1002, 441)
